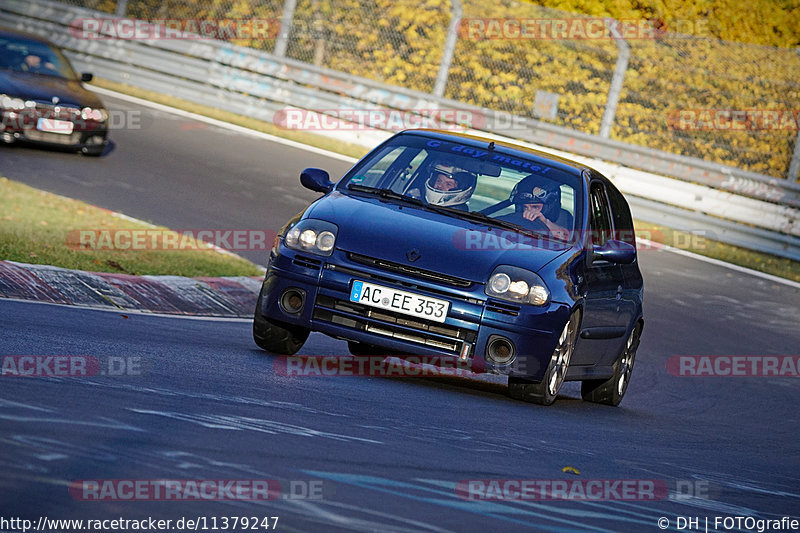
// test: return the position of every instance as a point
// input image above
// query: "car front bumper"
(473, 321)
(22, 127)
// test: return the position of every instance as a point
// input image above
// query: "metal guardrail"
(258, 84)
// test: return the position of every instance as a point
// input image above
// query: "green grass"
(770, 264)
(42, 228)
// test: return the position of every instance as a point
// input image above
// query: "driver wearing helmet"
(448, 186)
(537, 205)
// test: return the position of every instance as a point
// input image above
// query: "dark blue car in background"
(511, 260)
(42, 99)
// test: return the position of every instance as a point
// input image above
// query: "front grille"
(410, 270)
(405, 283)
(394, 325)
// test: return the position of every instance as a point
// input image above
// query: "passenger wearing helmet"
(537, 205)
(448, 186)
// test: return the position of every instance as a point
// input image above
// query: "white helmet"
(459, 195)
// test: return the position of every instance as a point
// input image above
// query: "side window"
(393, 168)
(403, 181)
(621, 213)
(376, 173)
(600, 218)
(568, 199)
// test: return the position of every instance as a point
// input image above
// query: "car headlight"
(100, 115)
(9, 102)
(516, 284)
(311, 235)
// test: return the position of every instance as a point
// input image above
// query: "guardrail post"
(122, 8)
(282, 42)
(794, 165)
(449, 49)
(616, 80)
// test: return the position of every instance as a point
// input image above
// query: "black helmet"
(535, 189)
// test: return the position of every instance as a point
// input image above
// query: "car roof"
(16, 34)
(504, 147)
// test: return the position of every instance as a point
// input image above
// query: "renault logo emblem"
(413, 255)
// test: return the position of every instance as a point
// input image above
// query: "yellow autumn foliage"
(715, 55)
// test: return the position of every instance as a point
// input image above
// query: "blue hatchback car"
(441, 244)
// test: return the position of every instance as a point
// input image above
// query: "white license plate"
(52, 125)
(403, 302)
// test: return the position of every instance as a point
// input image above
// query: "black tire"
(612, 390)
(546, 391)
(277, 337)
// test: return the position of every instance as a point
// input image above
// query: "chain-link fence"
(683, 92)
(727, 102)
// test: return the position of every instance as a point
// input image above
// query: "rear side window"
(621, 213)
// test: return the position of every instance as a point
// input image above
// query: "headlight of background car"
(311, 235)
(9, 102)
(100, 115)
(517, 285)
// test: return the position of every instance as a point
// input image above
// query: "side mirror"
(87, 76)
(614, 251)
(316, 179)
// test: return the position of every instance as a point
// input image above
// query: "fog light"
(500, 350)
(292, 301)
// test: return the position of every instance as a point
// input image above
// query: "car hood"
(390, 230)
(43, 88)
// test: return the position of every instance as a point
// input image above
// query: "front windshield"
(475, 182)
(22, 55)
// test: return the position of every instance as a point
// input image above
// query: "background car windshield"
(409, 161)
(21, 55)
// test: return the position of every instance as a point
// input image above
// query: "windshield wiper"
(387, 193)
(477, 216)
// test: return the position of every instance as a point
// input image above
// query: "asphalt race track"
(381, 454)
